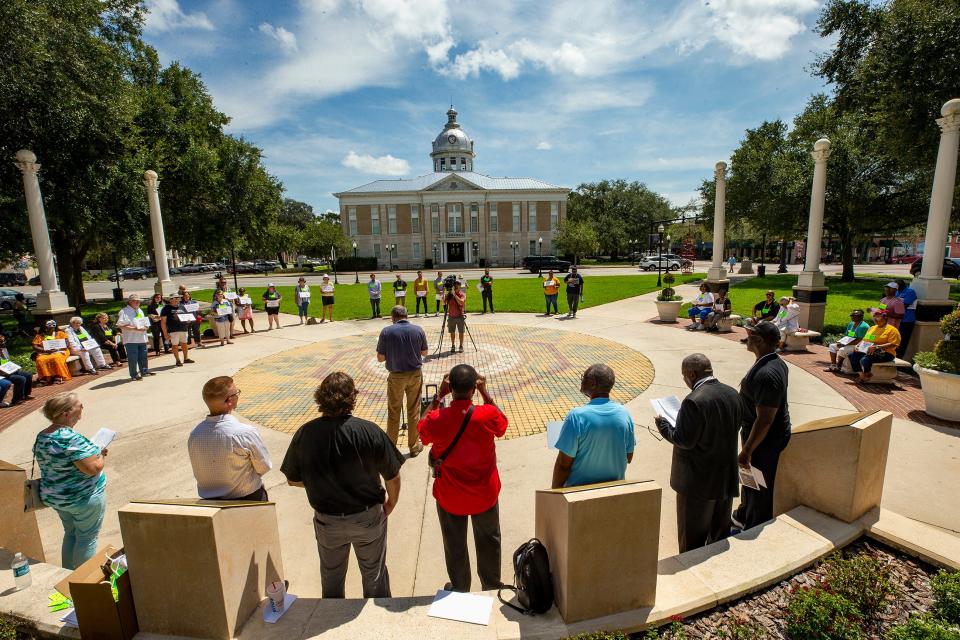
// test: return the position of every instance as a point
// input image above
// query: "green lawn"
(515, 294)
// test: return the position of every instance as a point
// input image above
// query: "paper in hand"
(667, 407)
(103, 437)
(553, 434)
(752, 478)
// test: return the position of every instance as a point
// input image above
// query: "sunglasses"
(232, 395)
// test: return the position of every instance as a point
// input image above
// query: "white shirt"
(127, 318)
(228, 457)
(788, 318)
(705, 299)
(74, 340)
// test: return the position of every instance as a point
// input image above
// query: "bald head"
(695, 367)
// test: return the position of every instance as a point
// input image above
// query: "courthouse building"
(452, 216)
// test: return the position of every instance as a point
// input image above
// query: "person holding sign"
(50, 345)
(847, 344)
(11, 375)
(574, 291)
(135, 324)
(301, 295)
(373, 290)
(174, 322)
(438, 289)
(108, 338)
(220, 311)
(83, 345)
(420, 289)
(271, 301)
(153, 311)
(400, 291)
(879, 345)
(244, 306)
(193, 308)
(326, 297)
(551, 289)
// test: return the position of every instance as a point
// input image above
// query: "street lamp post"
(539, 256)
(356, 267)
(783, 257)
(333, 256)
(659, 255)
(513, 245)
(393, 249)
(435, 251)
(476, 251)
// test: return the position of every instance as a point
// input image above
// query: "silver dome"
(452, 138)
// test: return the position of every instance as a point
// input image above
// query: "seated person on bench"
(856, 329)
(879, 345)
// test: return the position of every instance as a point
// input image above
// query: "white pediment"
(453, 183)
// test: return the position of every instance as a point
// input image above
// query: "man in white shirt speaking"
(227, 456)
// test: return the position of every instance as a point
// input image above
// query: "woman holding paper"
(191, 306)
(879, 344)
(108, 338)
(71, 478)
(326, 296)
(551, 288)
(51, 359)
(85, 347)
(245, 310)
(301, 295)
(220, 311)
(271, 301)
(153, 310)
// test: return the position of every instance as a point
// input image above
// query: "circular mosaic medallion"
(533, 374)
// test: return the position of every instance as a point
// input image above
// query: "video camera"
(449, 282)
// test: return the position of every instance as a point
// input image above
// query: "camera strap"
(463, 427)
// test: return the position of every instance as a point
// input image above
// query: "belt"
(351, 513)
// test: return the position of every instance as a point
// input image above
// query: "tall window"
(474, 218)
(516, 217)
(533, 248)
(493, 217)
(416, 251)
(391, 218)
(454, 218)
(352, 220)
(376, 249)
(443, 164)
(554, 215)
(375, 220)
(463, 164)
(532, 216)
(414, 218)
(435, 218)
(494, 249)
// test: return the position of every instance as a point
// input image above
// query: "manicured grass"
(515, 294)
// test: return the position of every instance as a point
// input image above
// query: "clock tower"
(453, 148)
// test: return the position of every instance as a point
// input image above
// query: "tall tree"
(577, 238)
(619, 212)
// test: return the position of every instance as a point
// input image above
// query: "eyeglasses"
(232, 395)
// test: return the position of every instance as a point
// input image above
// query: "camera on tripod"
(448, 283)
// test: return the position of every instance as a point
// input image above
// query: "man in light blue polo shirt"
(597, 440)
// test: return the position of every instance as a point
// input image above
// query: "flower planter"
(668, 310)
(941, 393)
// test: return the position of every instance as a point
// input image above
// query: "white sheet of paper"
(752, 478)
(667, 407)
(864, 346)
(845, 340)
(273, 304)
(270, 616)
(10, 367)
(462, 607)
(54, 344)
(421, 294)
(304, 295)
(89, 344)
(186, 317)
(103, 437)
(69, 619)
(245, 300)
(141, 323)
(192, 307)
(223, 311)
(231, 295)
(480, 288)
(326, 289)
(399, 294)
(553, 434)
(758, 476)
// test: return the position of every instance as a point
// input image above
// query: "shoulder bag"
(31, 487)
(436, 463)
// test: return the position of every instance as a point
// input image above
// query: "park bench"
(800, 340)
(727, 323)
(883, 372)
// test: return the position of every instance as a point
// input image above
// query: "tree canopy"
(618, 212)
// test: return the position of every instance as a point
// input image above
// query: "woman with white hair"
(50, 359)
(71, 478)
(84, 346)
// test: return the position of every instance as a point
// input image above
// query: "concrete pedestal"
(603, 542)
(200, 568)
(165, 288)
(718, 285)
(835, 465)
(926, 332)
(746, 266)
(19, 531)
(811, 295)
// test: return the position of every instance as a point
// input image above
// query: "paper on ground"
(667, 407)
(69, 619)
(553, 434)
(462, 607)
(752, 478)
(270, 616)
(103, 438)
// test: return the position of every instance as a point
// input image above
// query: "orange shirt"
(551, 287)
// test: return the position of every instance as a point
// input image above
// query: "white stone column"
(163, 284)
(812, 276)
(50, 299)
(717, 272)
(931, 285)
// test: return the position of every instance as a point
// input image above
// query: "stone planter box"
(941, 393)
(668, 309)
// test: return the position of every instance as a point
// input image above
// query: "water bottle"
(21, 572)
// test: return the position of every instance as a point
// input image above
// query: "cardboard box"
(99, 617)
(603, 541)
(836, 465)
(19, 531)
(199, 568)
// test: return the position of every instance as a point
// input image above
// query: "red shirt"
(469, 482)
(455, 310)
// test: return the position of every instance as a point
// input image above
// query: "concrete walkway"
(153, 418)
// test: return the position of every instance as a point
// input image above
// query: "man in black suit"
(704, 470)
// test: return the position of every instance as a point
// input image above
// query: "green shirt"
(61, 483)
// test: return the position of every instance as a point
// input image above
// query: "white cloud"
(166, 15)
(287, 41)
(544, 146)
(383, 165)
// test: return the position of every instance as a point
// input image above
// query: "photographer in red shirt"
(456, 302)
(466, 483)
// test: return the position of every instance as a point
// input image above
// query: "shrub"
(818, 614)
(601, 635)
(946, 595)
(673, 632)
(861, 579)
(738, 630)
(945, 356)
(667, 293)
(924, 627)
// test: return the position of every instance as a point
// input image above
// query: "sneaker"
(453, 349)
(736, 523)
(4, 405)
(187, 361)
(138, 377)
(179, 364)
(416, 449)
(461, 348)
(149, 373)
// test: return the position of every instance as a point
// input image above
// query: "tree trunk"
(846, 255)
(70, 258)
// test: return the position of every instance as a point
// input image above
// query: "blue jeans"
(551, 300)
(302, 308)
(81, 524)
(136, 356)
(702, 312)
(860, 361)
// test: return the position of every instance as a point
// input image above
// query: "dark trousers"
(700, 522)
(375, 307)
(22, 384)
(862, 361)
(157, 334)
(551, 301)
(260, 495)
(438, 307)
(366, 532)
(486, 539)
(756, 505)
(422, 301)
(117, 353)
(906, 330)
(487, 295)
(193, 333)
(573, 301)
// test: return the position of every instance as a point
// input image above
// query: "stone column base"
(718, 285)
(813, 304)
(926, 332)
(746, 266)
(164, 287)
(716, 274)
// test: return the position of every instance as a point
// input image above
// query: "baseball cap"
(133, 296)
(892, 285)
(270, 284)
(880, 312)
(174, 295)
(765, 329)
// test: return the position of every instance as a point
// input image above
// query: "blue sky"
(342, 92)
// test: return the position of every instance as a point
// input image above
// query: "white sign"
(549, 283)
(304, 295)
(9, 367)
(192, 307)
(89, 344)
(141, 323)
(845, 340)
(54, 344)
(421, 294)
(327, 288)
(752, 478)
(864, 347)
(439, 297)
(553, 434)
(273, 304)
(480, 288)
(186, 317)
(245, 300)
(462, 607)
(103, 437)
(223, 311)
(399, 294)
(231, 295)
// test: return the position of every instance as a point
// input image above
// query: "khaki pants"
(409, 384)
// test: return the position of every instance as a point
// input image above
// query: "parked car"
(668, 261)
(13, 279)
(248, 267)
(905, 259)
(196, 267)
(130, 273)
(34, 281)
(951, 268)
(9, 296)
(537, 264)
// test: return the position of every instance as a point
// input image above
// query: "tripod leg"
(443, 326)
(470, 335)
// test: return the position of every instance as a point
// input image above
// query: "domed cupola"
(453, 148)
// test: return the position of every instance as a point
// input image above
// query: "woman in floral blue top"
(71, 478)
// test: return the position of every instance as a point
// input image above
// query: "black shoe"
(179, 364)
(461, 348)
(187, 361)
(149, 373)
(138, 377)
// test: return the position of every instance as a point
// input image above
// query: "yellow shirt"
(551, 287)
(420, 284)
(889, 335)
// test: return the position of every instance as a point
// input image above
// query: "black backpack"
(532, 581)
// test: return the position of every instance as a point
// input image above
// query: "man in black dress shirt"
(704, 469)
(766, 423)
(339, 459)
